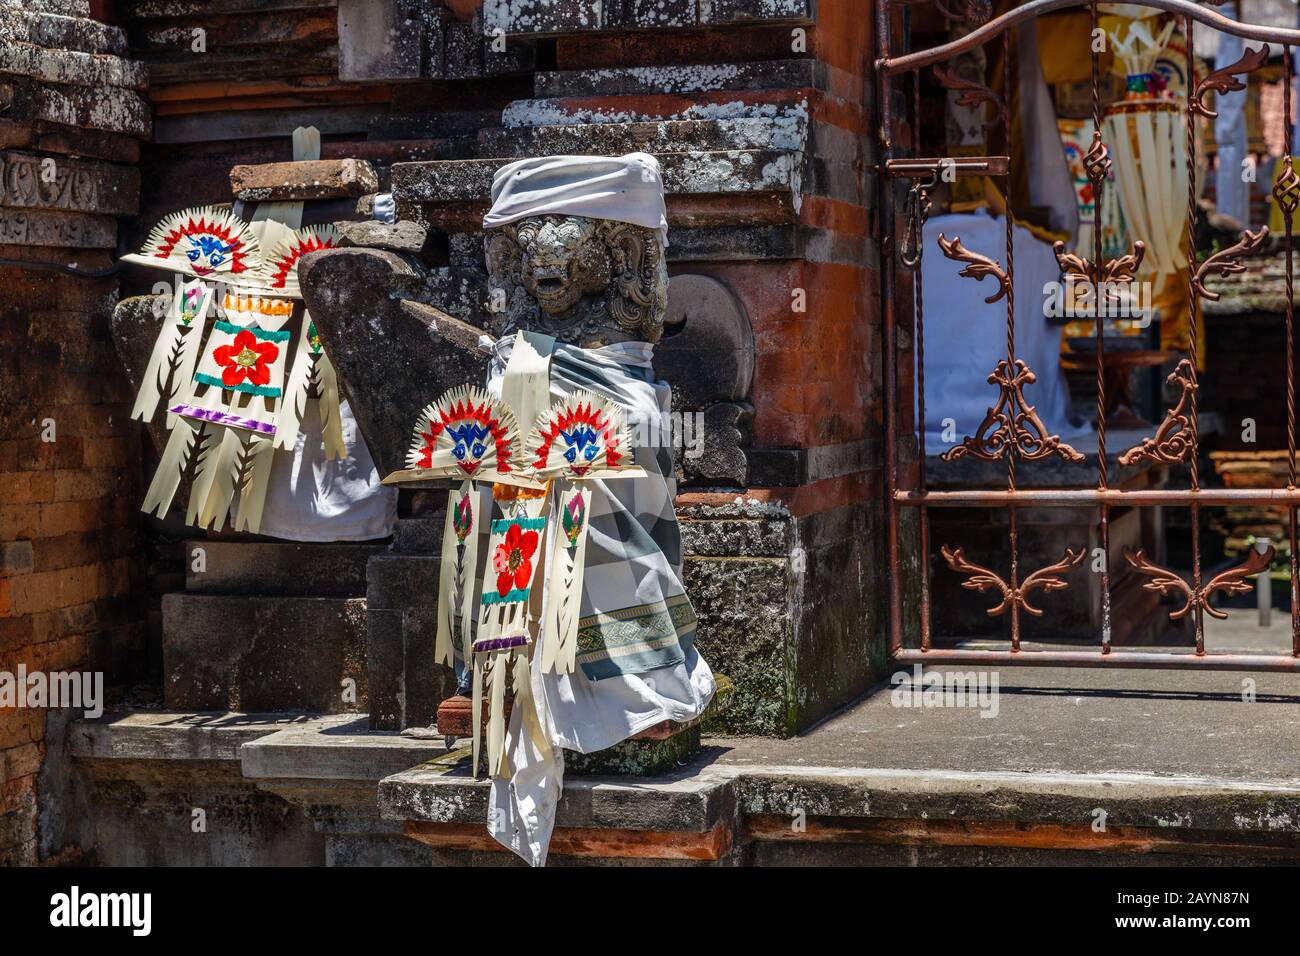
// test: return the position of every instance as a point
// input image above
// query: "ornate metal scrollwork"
(1225, 80)
(1172, 441)
(1286, 191)
(972, 93)
(1012, 425)
(978, 266)
(1232, 581)
(1227, 261)
(1097, 162)
(982, 579)
(973, 12)
(1121, 269)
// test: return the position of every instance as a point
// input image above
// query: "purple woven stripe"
(499, 644)
(218, 417)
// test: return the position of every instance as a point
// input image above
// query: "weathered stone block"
(402, 581)
(730, 11)
(377, 41)
(707, 352)
(61, 32)
(404, 236)
(70, 67)
(305, 179)
(38, 227)
(685, 78)
(385, 667)
(728, 430)
(541, 17)
(745, 629)
(263, 653)
(324, 570)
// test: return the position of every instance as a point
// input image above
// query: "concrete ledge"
(1126, 799)
(441, 791)
(335, 748)
(171, 736)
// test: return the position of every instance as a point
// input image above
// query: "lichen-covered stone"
(394, 354)
(404, 236)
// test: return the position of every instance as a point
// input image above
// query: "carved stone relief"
(589, 282)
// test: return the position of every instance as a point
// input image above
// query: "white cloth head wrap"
(623, 188)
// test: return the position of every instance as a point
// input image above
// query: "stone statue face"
(563, 260)
(587, 281)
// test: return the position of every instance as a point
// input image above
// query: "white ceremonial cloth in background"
(310, 497)
(965, 337)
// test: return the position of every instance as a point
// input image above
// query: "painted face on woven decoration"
(470, 444)
(465, 432)
(207, 253)
(576, 438)
(582, 448)
(203, 242)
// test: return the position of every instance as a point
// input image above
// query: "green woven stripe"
(264, 334)
(266, 391)
(517, 596)
(502, 525)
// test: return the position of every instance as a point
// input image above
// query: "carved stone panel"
(707, 350)
(48, 182)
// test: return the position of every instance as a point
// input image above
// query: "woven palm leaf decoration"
(200, 246)
(311, 366)
(578, 440)
(470, 436)
(237, 395)
(221, 397)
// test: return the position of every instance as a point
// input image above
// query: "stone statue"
(589, 282)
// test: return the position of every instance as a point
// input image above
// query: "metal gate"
(1012, 429)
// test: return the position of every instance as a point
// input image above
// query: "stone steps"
(62, 32)
(538, 18)
(718, 172)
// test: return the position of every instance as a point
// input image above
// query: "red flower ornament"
(246, 360)
(513, 559)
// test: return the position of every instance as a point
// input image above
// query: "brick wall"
(70, 559)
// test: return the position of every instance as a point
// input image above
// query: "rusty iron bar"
(889, 359)
(924, 168)
(1012, 534)
(919, 344)
(1287, 202)
(1193, 329)
(1153, 660)
(890, 66)
(1097, 172)
(1092, 497)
